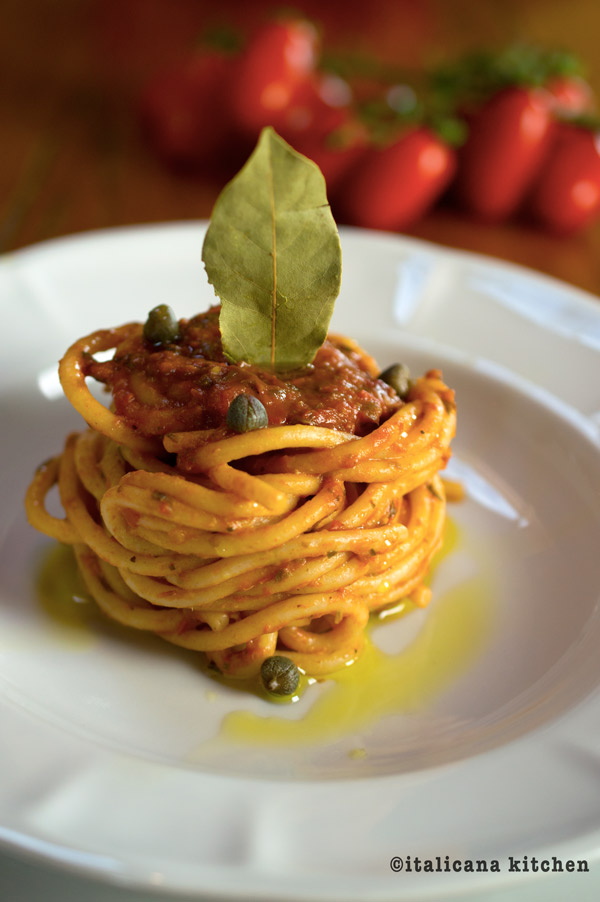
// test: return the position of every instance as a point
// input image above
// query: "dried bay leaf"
(273, 256)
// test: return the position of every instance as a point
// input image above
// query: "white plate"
(107, 745)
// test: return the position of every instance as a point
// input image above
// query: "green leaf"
(272, 253)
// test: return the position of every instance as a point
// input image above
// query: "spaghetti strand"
(278, 540)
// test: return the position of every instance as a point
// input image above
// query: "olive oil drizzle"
(380, 684)
(377, 684)
(452, 634)
(64, 599)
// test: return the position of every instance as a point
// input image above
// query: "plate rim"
(579, 421)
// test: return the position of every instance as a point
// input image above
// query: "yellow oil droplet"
(357, 754)
(63, 597)
(452, 540)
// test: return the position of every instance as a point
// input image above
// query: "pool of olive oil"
(378, 684)
(64, 599)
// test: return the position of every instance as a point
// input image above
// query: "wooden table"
(73, 158)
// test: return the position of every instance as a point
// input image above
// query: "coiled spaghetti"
(240, 545)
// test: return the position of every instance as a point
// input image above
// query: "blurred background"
(118, 112)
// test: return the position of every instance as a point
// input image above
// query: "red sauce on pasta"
(189, 384)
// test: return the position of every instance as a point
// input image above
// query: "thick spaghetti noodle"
(277, 540)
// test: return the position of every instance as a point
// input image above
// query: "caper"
(161, 327)
(279, 675)
(398, 377)
(246, 413)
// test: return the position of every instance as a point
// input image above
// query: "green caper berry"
(279, 675)
(398, 377)
(246, 413)
(161, 327)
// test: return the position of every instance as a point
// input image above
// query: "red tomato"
(184, 112)
(566, 195)
(317, 106)
(336, 152)
(508, 137)
(570, 95)
(391, 187)
(277, 61)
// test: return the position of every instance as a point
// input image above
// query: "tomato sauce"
(188, 384)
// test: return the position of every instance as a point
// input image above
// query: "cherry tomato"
(277, 61)
(317, 106)
(566, 194)
(391, 187)
(570, 96)
(337, 151)
(507, 139)
(320, 123)
(184, 111)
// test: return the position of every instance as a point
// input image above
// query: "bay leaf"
(272, 254)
